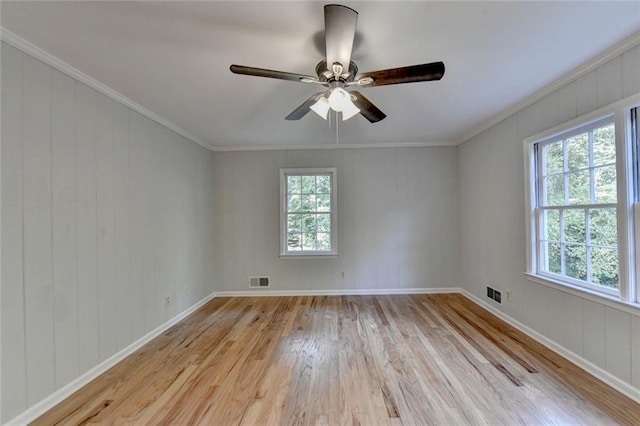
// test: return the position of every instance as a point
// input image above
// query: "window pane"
(293, 184)
(324, 242)
(554, 190)
(294, 241)
(324, 184)
(553, 158)
(604, 179)
(552, 259)
(323, 222)
(308, 223)
(578, 151)
(324, 202)
(604, 145)
(308, 203)
(308, 211)
(576, 261)
(603, 227)
(309, 241)
(551, 225)
(604, 267)
(574, 226)
(308, 184)
(294, 223)
(575, 178)
(293, 203)
(579, 187)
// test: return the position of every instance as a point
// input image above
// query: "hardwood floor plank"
(344, 360)
(159, 407)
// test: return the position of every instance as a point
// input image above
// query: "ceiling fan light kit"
(340, 28)
(321, 107)
(338, 100)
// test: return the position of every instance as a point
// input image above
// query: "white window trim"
(607, 119)
(629, 261)
(284, 252)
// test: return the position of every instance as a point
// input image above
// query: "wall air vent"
(494, 294)
(258, 282)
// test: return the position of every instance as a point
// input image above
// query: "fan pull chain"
(337, 133)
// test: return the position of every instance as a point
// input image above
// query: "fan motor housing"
(326, 75)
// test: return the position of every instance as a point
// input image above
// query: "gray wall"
(397, 219)
(105, 213)
(492, 221)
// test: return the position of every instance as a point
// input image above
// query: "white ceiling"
(173, 58)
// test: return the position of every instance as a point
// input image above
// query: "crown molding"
(584, 69)
(336, 146)
(58, 64)
(47, 58)
(31, 49)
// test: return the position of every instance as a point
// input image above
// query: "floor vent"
(258, 282)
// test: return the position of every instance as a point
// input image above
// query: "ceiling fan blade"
(411, 74)
(262, 72)
(303, 109)
(340, 30)
(367, 109)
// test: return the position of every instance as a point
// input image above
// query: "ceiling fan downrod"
(340, 29)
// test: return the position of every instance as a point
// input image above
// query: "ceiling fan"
(338, 72)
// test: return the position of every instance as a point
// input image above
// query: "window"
(308, 212)
(582, 185)
(577, 196)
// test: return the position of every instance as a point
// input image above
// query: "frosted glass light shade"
(321, 107)
(338, 100)
(349, 111)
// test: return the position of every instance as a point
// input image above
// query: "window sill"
(601, 298)
(308, 256)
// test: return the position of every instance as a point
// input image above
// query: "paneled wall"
(492, 221)
(397, 220)
(105, 215)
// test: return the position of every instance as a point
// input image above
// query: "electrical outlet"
(342, 275)
(167, 301)
(507, 295)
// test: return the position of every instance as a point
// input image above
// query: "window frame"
(608, 119)
(628, 256)
(285, 253)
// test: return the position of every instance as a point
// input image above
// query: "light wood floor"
(370, 360)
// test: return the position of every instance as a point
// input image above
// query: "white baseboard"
(52, 400)
(594, 370)
(64, 392)
(61, 394)
(337, 292)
